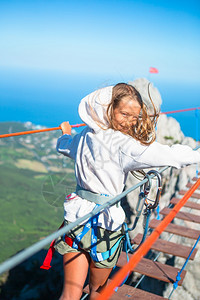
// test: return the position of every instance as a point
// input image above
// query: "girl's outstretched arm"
(136, 156)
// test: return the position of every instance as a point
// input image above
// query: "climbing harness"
(143, 200)
(91, 224)
(98, 199)
(93, 221)
(96, 256)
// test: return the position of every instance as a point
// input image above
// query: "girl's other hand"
(66, 128)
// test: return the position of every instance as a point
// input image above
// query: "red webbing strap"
(46, 263)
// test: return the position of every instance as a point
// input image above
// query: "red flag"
(153, 70)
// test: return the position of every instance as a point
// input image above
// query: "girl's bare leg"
(75, 267)
(98, 279)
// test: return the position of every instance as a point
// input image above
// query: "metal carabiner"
(147, 187)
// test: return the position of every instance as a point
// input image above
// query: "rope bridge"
(119, 277)
(137, 256)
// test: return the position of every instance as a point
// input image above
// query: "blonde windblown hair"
(144, 130)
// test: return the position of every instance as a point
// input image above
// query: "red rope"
(180, 110)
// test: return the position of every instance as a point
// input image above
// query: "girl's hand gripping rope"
(66, 128)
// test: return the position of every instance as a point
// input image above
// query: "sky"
(63, 50)
(120, 38)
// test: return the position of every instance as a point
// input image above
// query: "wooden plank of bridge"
(182, 215)
(189, 204)
(195, 178)
(189, 185)
(153, 269)
(168, 247)
(194, 195)
(128, 292)
(177, 229)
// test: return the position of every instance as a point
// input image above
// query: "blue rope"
(158, 211)
(127, 243)
(178, 277)
(126, 229)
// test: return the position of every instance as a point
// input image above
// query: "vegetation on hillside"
(34, 181)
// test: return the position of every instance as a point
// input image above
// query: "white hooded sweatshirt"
(103, 159)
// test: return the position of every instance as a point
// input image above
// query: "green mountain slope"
(34, 181)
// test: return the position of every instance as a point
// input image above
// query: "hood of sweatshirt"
(92, 108)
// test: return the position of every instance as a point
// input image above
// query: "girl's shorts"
(105, 240)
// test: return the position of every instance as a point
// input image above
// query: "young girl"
(119, 137)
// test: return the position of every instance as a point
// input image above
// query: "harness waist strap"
(91, 196)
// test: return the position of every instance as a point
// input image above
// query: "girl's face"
(126, 114)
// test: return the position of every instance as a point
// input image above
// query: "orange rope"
(78, 125)
(36, 131)
(135, 258)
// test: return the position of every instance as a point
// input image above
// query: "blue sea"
(49, 98)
